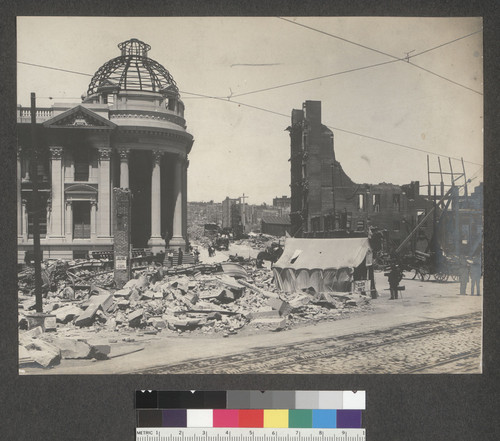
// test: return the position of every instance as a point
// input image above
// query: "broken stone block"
(25, 337)
(29, 305)
(101, 317)
(67, 313)
(24, 357)
(67, 293)
(273, 324)
(142, 282)
(50, 323)
(132, 283)
(134, 318)
(157, 322)
(72, 349)
(158, 295)
(86, 318)
(282, 307)
(214, 316)
(123, 304)
(43, 353)
(147, 295)
(104, 300)
(300, 302)
(265, 312)
(99, 351)
(192, 297)
(134, 296)
(124, 292)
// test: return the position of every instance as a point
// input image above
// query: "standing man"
(463, 275)
(475, 275)
(394, 276)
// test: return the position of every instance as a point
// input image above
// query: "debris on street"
(92, 320)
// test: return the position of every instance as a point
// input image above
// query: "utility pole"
(35, 204)
(333, 197)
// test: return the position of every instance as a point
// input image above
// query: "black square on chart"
(146, 399)
(149, 418)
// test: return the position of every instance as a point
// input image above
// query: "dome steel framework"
(134, 70)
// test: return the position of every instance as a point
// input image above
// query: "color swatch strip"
(245, 399)
(251, 418)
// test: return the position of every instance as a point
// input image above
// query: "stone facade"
(125, 134)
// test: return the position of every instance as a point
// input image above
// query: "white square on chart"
(200, 418)
(354, 400)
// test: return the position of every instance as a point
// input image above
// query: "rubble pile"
(224, 301)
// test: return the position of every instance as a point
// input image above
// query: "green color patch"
(300, 418)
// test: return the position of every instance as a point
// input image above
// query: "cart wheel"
(441, 277)
(424, 274)
(415, 275)
(455, 277)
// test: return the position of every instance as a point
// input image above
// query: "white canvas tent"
(323, 264)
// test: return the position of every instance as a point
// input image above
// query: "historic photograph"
(249, 195)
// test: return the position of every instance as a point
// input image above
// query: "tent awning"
(323, 253)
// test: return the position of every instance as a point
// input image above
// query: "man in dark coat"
(395, 276)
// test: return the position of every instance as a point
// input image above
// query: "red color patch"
(251, 418)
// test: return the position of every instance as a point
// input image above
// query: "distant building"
(325, 199)
(276, 225)
(229, 216)
(284, 204)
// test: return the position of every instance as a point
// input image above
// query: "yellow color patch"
(276, 418)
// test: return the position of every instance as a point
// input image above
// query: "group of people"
(470, 270)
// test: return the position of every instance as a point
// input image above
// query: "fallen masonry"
(85, 317)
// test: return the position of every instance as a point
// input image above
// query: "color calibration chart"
(250, 415)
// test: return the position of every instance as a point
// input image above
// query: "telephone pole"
(35, 204)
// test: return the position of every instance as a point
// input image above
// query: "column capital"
(93, 203)
(104, 154)
(24, 201)
(49, 204)
(56, 152)
(69, 202)
(157, 154)
(124, 153)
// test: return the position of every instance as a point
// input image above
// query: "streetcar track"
(279, 358)
(459, 357)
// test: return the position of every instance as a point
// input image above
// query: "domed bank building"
(128, 132)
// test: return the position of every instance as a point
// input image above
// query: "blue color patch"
(324, 419)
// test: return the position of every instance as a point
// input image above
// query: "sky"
(385, 118)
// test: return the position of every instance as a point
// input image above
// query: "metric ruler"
(245, 434)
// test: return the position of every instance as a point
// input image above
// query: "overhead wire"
(336, 128)
(226, 99)
(407, 58)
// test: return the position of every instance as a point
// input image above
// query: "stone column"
(24, 215)
(185, 165)
(177, 237)
(19, 201)
(124, 157)
(68, 221)
(104, 195)
(156, 242)
(93, 219)
(57, 216)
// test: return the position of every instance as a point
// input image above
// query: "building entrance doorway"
(81, 220)
(140, 186)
